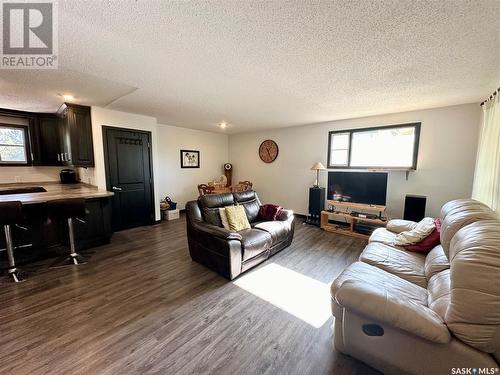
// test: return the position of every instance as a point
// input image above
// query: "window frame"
(27, 147)
(416, 143)
(348, 149)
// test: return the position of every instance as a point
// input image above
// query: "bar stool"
(69, 210)
(11, 213)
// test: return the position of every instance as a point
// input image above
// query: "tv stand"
(354, 214)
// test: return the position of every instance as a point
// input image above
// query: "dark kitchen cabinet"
(37, 238)
(76, 135)
(47, 135)
(62, 138)
(96, 228)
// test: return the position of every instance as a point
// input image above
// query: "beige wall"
(167, 141)
(445, 166)
(105, 117)
(448, 143)
(181, 184)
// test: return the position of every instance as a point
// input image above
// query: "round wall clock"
(268, 151)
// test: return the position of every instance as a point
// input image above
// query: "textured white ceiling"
(266, 64)
(43, 90)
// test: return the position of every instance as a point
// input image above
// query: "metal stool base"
(18, 275)
(71, 260)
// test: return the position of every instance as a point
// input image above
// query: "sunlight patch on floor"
(301, 296)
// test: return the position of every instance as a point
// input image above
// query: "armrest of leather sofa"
(399, 225)
(216, 231)
(395, 310)
(285, 215)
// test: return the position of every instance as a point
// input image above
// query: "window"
(339, 148)
(13, 144)
(386, 147)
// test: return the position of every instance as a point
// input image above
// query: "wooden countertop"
(55, 190)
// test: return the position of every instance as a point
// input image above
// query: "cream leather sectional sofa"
(404, 312)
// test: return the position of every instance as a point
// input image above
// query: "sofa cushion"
(390, 308)
(439, 292)
(216, 200)
(399, 225)
(211, 216)
(460, 205)
(250, 201)
(473, 314)
(435, 262)
(210, 204)
(407, 265)
(377, 278)
(384, 236)
(277, 229)
(254, 242)
(464, 215)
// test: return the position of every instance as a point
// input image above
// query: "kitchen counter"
(44, 238)
(55, 190)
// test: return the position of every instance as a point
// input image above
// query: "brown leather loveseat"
(231, 253)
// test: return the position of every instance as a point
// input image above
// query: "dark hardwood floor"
(142, 306)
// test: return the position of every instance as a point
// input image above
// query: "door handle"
(116, 188)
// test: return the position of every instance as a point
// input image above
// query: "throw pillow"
(269, 212)
(237, 218)
(397, 225)
(421, 230)
(429, 242)
(223, 218)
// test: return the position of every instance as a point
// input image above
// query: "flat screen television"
(358, 187)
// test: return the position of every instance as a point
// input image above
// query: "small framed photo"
(190, 159)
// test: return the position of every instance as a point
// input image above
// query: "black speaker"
(415, 207)
(316, 204)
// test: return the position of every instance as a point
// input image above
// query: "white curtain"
(487, 175)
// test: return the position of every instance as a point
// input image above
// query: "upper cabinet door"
(79, 126)
(48, 140)
(64, 138)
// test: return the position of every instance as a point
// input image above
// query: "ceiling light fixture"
(68, 98)
(223, 125)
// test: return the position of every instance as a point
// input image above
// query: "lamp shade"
(317, 167)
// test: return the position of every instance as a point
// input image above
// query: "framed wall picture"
(190, 159)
